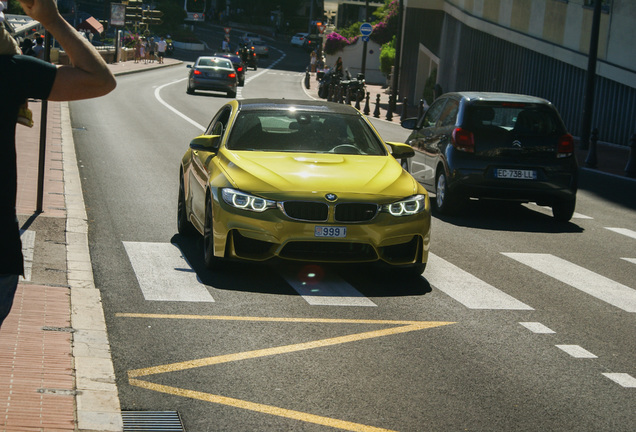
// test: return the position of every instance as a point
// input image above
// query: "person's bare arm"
(88, 75)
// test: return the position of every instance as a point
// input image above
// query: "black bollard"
(307, 79)
(330, 93)
(403, 116)
(376, 112)
(630, 168)
(420, 109)
(348, 96)
(591, 160)
(367, 110)
(389, 111)
(358, 100)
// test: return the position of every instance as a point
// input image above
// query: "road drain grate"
(156, 421)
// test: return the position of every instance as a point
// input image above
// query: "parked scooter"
(357, 87)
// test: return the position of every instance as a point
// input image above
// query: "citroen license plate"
(330, 231)
(516, 174)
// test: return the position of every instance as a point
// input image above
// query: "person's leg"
(8, 286)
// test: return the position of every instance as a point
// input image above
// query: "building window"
(605, 4)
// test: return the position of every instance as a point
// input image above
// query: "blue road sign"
(366, 29)
(365, 38)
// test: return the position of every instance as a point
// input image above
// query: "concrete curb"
(96, 399)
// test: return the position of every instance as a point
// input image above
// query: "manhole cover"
(157, 421)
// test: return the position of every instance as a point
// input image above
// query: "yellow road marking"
(401, 327)
(265, 409)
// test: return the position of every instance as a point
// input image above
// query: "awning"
(92, 25)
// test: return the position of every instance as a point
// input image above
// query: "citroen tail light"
(565, 147)
(463, 140)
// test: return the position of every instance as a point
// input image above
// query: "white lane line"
(174, 110)
(607, 290)
(576, 351)
(623, 379)
(466, 288)
(536, 327)
(188, 119)
(164, 274)
(624, 231)
(28, 247)
(323, 288)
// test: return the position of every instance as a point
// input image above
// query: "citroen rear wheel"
(445, 201)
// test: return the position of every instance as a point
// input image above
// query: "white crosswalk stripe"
(164, 274)
(466, 288)
(325, 289)
(605, 289)
(623, 231)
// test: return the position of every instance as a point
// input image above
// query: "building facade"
(536, 47)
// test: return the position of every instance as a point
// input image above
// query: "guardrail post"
(376, 112)
(404, 109)
(630, 168)
(592, 159)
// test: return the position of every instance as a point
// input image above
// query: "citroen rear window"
(525, 119)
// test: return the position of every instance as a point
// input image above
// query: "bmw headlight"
(242, 200)
(406, 207)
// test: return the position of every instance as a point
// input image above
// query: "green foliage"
(15, 8)
(173, 15)
(387, 57)
(352, 31)
(428, 94)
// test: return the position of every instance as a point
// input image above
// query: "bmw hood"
(274, 174)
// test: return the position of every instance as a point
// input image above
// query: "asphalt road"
(518, 323)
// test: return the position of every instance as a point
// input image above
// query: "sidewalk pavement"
(56, 372)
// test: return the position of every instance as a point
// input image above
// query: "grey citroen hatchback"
(495, 146)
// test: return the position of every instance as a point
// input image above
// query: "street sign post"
(365, 30)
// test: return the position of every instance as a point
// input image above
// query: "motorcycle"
(248, 55)
(356, 87)
(169, 46)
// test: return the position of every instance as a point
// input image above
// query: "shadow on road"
(372, 280)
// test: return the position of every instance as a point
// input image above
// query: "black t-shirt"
(21, 77)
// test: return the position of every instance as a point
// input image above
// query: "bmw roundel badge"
(331, 197)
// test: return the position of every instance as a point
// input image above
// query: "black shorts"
(160, 53)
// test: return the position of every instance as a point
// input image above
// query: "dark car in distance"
(238, 64)
(212, 73)
(495, 146)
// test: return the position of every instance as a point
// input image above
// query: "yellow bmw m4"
(309, 181)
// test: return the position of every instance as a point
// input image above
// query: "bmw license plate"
(330, 231)
(515, 174)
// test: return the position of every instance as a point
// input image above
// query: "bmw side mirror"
(401, 150)
(209, 143)
(409, 123)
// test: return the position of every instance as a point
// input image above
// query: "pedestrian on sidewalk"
(161, 50)
(24, 77)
